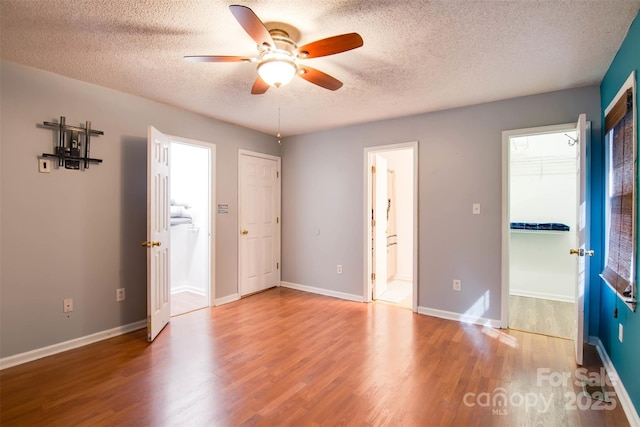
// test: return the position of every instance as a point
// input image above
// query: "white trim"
(213, 159)
(621, 391)
(630, 83)
(227, 299)
(464, 318)
(401, 277)
(366, 214)
(543, 295)
(191, 289)
(321, 291)
(506, 231)
(39, 353)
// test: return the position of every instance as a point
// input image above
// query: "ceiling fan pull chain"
(279, 141)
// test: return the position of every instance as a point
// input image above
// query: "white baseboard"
(321, 291)
(193, 290)
(402, 277)
(227, 299)
(464, 318)
(541, 295)
(621, 392)
(39, 353)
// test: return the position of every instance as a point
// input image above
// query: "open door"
(582, 130)
(380, 202)
(157, 243)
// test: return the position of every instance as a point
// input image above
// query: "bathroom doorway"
(543, 219)
(191, 253)
(391, 225)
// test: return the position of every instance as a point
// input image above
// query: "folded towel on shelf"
(544, 226)
(179, 221)
(174, 202)
(180, 212)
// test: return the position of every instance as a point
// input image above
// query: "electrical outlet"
(476, 209)
(339, 269)
(120, 294)
(67, 305)
(457, 284)
(620, 332)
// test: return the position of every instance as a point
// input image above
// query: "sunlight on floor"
(399, 292)
(501, 336)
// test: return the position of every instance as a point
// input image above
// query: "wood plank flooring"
(542, 316)
(399, 293)
(285, 357)
(184, 302)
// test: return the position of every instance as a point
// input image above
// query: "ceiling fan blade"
(252, 24)
(319, 78)
(217, 58)
(330, 46)
(259, 87)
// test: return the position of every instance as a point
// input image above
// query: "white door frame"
(211, 292)
(506, 158)
(278, 160)
(366, 216)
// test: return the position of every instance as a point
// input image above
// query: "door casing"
(581, 210)
(212, 218)
(369, 153)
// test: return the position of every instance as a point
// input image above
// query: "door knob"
(150, 244)
(245, 231)
(580, 252)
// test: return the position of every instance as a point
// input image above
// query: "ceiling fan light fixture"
(277, 71)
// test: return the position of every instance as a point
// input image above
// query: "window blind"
(619, 265)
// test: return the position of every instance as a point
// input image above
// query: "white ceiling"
(418, 56)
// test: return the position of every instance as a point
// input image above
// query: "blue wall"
(625, 356)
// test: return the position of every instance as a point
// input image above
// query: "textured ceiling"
(418, 56)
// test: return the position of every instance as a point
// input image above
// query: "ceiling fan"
(278, 59)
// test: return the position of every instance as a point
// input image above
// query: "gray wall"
(72, 234)
(460, 163)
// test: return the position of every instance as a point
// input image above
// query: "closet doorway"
(391, 225)
(543, 217)
(191, 183)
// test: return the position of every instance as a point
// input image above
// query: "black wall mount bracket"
(73, 147)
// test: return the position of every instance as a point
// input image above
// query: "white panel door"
(259, 211)
(157, 244)
(380, 205)
(582, 129)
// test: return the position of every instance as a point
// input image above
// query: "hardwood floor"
(399, 293)
(184, 302)
(285, 357)
(542, 316)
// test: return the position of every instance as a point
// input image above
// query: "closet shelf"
(523, 231)
(539, 227)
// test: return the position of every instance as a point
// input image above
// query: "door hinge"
(373, 169)
(277, 174)
(277, 220)
(277, 266)
(373, 222)
(373, 276)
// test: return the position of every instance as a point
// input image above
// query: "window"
(619, 271)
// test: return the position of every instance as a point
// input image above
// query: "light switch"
(476, 208)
